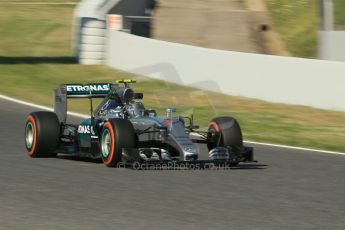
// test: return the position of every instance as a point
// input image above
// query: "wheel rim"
(213, 137)
(106, 143)
(29, 135)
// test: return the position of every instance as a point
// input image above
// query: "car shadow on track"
(243, 166)
(250, 166)
(76, 158)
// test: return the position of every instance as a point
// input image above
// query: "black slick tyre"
(42, 134)
(116, 134)
(223, 132)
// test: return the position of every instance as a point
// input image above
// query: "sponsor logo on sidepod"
(85, 129)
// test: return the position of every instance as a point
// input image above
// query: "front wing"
(131, 158)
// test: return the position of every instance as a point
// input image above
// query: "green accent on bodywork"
(86, 121)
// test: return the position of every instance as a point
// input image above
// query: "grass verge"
(35, 30)
(297, 23)
(339, 14)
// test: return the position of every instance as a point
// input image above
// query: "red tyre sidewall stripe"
(33, 147)
(215, 125)
(112, 151)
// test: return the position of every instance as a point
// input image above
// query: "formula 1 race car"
(121, 131)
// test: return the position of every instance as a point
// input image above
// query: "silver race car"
(122, 131)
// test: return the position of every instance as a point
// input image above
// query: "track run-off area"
(288, 189)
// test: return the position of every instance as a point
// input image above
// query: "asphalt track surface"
(288, 189)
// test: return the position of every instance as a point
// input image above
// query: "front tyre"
(223, 132)
(42, 134)
(116, 135)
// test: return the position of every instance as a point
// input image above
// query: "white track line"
(249, 142)
(296, 148)
(39, 106)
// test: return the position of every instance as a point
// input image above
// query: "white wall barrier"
(289, 80)
(332, 45)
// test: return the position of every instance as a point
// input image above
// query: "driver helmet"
(135, 109)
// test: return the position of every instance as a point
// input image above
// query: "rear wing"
(98, 90)
(61, 94)
(92, 90)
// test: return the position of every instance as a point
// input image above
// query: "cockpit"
(135, 109)
(113, 108)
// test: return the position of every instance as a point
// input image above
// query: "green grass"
(35, 30)
(260, 121)
(339, 13)
(297, 23)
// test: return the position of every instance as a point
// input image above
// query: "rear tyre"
(116, 134)
(224, 131)
(42, 134)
